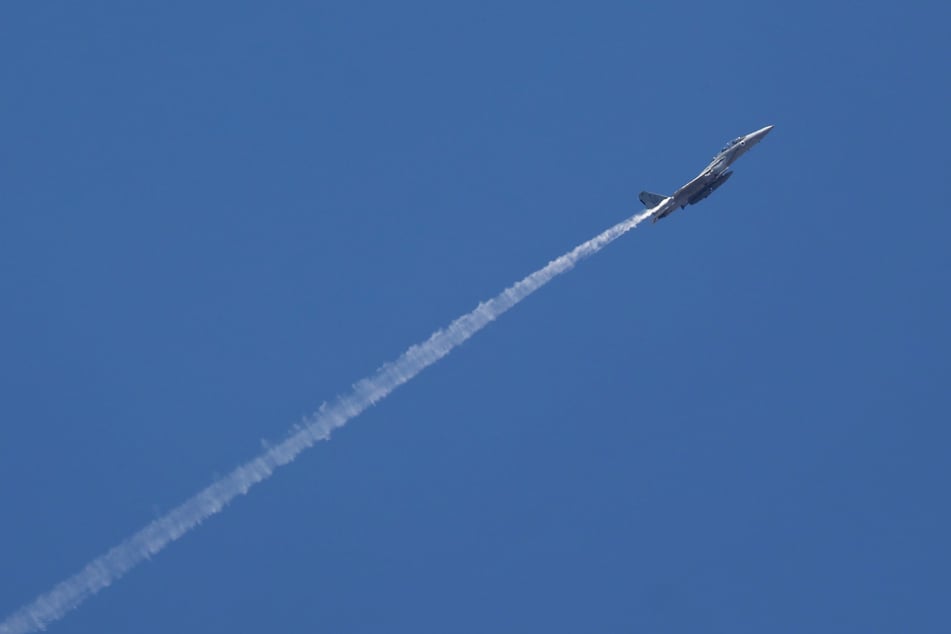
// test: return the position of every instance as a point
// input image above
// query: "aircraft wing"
(693, 184)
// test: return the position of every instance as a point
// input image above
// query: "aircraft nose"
(757, 136)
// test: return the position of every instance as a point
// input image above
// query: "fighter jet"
(714, 175)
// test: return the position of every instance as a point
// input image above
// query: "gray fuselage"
(712, 176)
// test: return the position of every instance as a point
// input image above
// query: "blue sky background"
(217, 215)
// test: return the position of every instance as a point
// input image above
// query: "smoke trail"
(101, 572)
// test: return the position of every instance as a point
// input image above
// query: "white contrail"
(109, 567)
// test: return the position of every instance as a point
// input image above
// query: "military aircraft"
(714, 175)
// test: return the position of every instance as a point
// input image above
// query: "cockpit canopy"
(726, 147)
(732, 143)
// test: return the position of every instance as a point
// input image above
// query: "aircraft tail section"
(651, 200)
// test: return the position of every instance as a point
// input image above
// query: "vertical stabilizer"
(651, 200)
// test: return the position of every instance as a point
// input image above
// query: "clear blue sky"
(217, 215)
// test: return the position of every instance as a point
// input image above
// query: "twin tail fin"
(651, 200)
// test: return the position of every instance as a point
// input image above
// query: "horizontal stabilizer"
(651, 200)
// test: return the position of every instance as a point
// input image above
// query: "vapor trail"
(102, 571)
